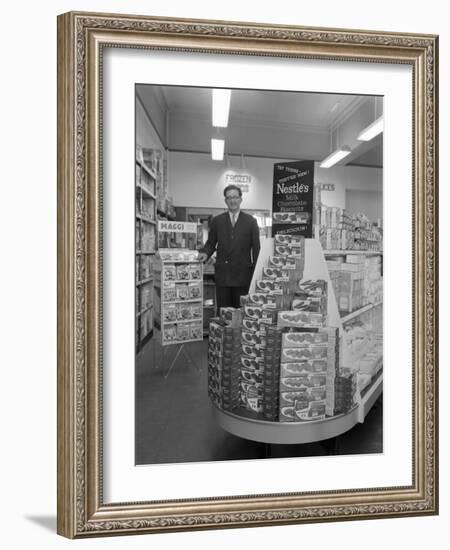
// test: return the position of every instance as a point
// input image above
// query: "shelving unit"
(145, 190)
(358, 312)
(360, 252)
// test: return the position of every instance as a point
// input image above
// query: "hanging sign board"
(177, 227)
(292, 202)
(327, 186)
(240, 180)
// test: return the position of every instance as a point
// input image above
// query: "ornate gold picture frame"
(82, 40)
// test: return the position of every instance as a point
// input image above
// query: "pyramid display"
(276, 358)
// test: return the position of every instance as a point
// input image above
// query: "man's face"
(233, 200)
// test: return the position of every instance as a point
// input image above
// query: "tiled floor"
(174, 421)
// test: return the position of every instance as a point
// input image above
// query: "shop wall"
(196, 180)
(354, 178)
(146, 134)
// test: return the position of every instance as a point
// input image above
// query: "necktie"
(233, 220)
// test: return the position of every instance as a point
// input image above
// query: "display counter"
(289, 433)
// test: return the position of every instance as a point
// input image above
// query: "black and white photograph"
(259, 274)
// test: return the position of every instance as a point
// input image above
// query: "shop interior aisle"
(174, 420)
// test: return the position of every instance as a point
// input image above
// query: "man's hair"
(232, 187)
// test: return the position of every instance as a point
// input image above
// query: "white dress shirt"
(236, 216)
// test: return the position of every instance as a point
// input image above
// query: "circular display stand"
(288, 433)
(285, 432)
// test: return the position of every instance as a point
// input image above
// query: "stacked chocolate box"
(273, 293)
(271, 382)
(345, 389)
(303, 375)
(224, 353)
(333, 366)
(275, 356)
(253, 344)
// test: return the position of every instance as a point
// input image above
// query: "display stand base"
(289, 433)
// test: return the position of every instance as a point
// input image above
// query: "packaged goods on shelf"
(183, 311)
(300, 407)
(138, 235)
(182, 272)
(195, 290)
(170, 333)
(338, 230)
(231, 316)
(146, 266)
(195, 271)
(182, 291)
(177, 255)
(178, 298)
(224, 366)
(303, 339)
(196, 311)
(285, 262)
(290, 217)
(146, 324)
(271, 378)
(265, 299)
(183, 332)
(169, 272)
(304, 382)
(364, 344)
(275, 274)
(148, 210)
(291, 240)
(269, 285)
(169, 292)
(345, 391)
(300, 319)
(306, 353)
(146, 295)
(297, 368)
(289, 358)
(148, 238)
(170, 313)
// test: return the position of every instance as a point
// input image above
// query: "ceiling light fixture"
(220, 107)
(372, 130)
(335, 156)
(217, 148)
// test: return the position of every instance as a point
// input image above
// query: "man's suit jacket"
(237, 248)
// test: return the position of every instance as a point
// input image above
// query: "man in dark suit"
(235, 236)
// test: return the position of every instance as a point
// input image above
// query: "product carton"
(231, 316)
(300, 319)
(302, 338)
(297, 368)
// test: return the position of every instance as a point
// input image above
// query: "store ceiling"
(288, 125)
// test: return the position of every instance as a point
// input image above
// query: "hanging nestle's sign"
(177, 227)
(292, 198)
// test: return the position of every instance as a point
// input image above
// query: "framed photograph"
(247, 282)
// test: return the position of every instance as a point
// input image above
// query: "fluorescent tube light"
(217, 148)
(220, 107)
(372, 130)
(335, 157)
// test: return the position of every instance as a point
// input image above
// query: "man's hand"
(202, 257)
